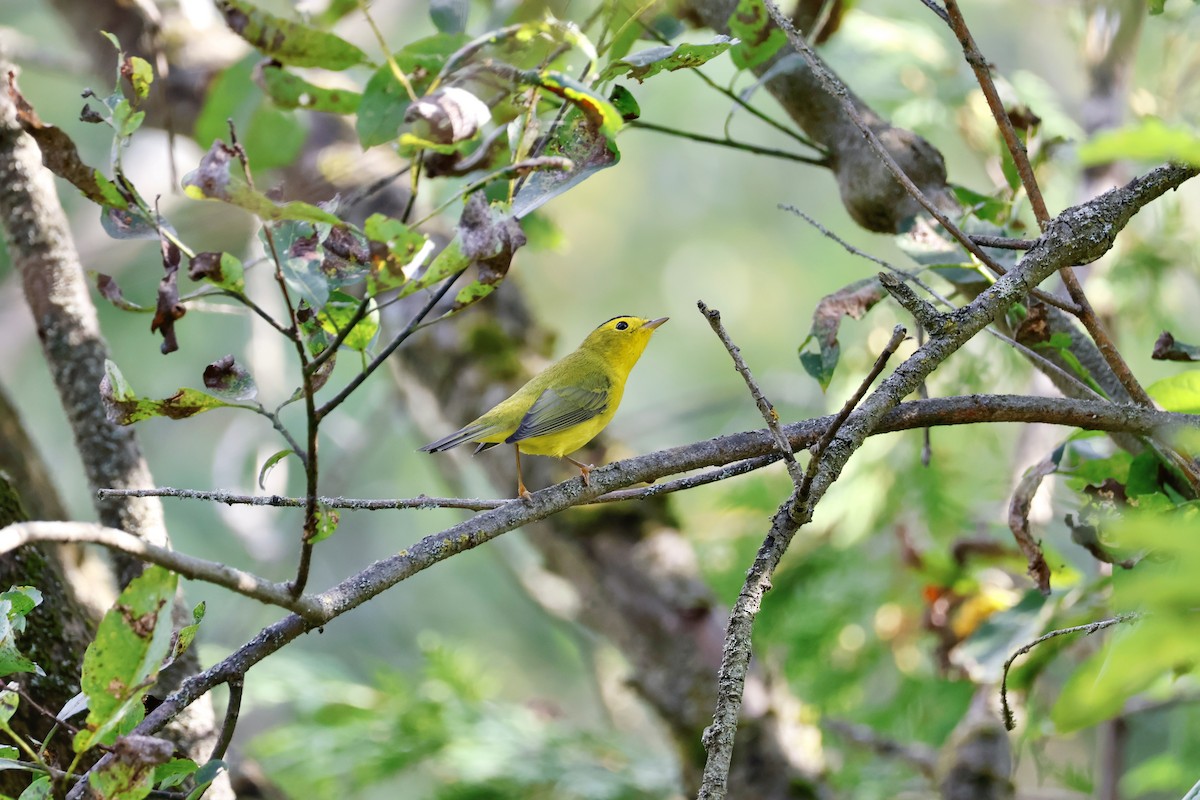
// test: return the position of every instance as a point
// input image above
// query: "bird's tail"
(467, 434)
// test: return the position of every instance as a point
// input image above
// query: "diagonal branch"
(1079, 235)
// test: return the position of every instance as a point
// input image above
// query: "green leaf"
(204, 776)
(385, 101)
(123, 407)
(141, 75)
(15, 604)
(131, 642)
(173, 773)
(40, 789)
(759, 38)
(449, 16)
(1152, 650)
(603, 116)
(187, 634)
(1179, 393)
(270, 463)
(1148, 139)
(9, 700)
(289, 42)
(653, 60)
(288, 90)
(327, 522)
(983, 653)
(215, 179)
(336, 314)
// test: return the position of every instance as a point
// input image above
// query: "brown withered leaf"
(110, 291)
(59, 154)
(168, 308)
(449, 115)
(1166, 348)
(489, 240)
(1035, 328)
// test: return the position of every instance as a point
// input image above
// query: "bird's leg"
(584, 469)
(522, 492)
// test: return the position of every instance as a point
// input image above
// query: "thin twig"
(1088, 629)
(731, 143)
(214, 572)
(769, 415)
(1003, 242)
(232, 710)
(898, 335)
(398, 340)
(753, 450)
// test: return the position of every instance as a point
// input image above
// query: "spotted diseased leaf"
(130, 773)
(576, 139)
(395, 251)
(110, 291)
(215, 179)
(338, 313)
(60, 156)
(385, 100)
(327, 522)
(220, 269)
(123, 407)
(449, 115)
(120, 665)
(127, 223)
(9, 702)
(140, 75)
(288, 90)
(168, 309)
(289, 42)
(759, 39)
(488, 238)
(187, 634)
(602, 115)
(853, 301)
(1166, 348)
(229, 380)
(653, 60)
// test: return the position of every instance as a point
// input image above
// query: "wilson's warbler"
(565, 405)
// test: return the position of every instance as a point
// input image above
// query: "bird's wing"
(559, 408)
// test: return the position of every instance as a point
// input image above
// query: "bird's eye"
(622, 325)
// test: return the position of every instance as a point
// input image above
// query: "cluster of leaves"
(446, 730)
(133, 643)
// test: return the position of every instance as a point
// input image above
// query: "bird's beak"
(654, 323)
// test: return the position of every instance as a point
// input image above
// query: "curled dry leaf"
(448, 115)
(1018, 520)
(168, 308)
(1166, 348)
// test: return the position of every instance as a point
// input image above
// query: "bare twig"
(1088, 629)
(769, 415)
(815, 161)
(214, 572)
(235, 683)
(898, 334)
(1003, 242)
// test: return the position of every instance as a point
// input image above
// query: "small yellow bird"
(564, 406)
